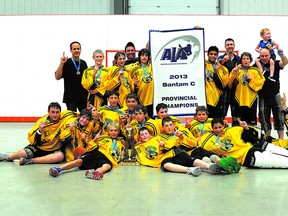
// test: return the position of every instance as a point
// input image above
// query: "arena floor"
(134, 190)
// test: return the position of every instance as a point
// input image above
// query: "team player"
(161, 152)
(77, 132)
(118, 79)
(162, 112)
(44, 138)
(246, 81)
(131, 101)
(238, 142)
(188, 143)
(217, 77)
(105, 153)
(201, 123)
(112, 112)
(94, 80)
(141, 73)
(141, 120)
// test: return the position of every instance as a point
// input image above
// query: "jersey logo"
(244, 79)
(209, 76)
(151, 152)
(225, 144)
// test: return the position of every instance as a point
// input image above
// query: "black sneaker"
(271, 78)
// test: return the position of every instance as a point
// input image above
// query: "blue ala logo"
(188, 47)
(175, 53)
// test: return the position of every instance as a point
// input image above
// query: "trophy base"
(132, 162)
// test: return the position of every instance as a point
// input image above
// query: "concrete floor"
(134, 190)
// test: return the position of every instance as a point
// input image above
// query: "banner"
(178, 65)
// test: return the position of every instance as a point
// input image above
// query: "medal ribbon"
(75, 65)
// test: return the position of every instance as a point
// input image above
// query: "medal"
(78, 73)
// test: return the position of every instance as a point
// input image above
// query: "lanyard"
(141, 125)
(144, 68)
(121, 70)
(77, 67)
(114, 141)
(98, 74)
(214, 66)
(130, 113)
(245, 69)
(202, 128)
(217, 140)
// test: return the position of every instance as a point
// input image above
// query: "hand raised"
(63, 58)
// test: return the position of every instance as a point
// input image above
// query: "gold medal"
(78, 73)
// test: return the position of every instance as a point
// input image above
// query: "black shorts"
(200, 153)
(93, 160)
(181, 159)
(248, 114)
(250, 157)
(37, 152)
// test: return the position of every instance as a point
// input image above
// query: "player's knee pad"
(29, 152)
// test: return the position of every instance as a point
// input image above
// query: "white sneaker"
(195, 171)
(214, 168)
(93, 174)
(4, 157)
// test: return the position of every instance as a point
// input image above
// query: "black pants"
(74, 106)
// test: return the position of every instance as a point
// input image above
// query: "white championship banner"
(178, 64)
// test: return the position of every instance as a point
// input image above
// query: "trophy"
(129, 152)
(129, 131)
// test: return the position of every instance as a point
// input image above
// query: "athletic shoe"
(224, 163)
(233, 163)
(4, 157)
(93, 174)
(214, 168)
(195, 171)
(271, 78)
(55, 171)
(25, 161)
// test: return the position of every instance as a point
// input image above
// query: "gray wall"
(48, 7)
(196, 7)
(204, 7)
